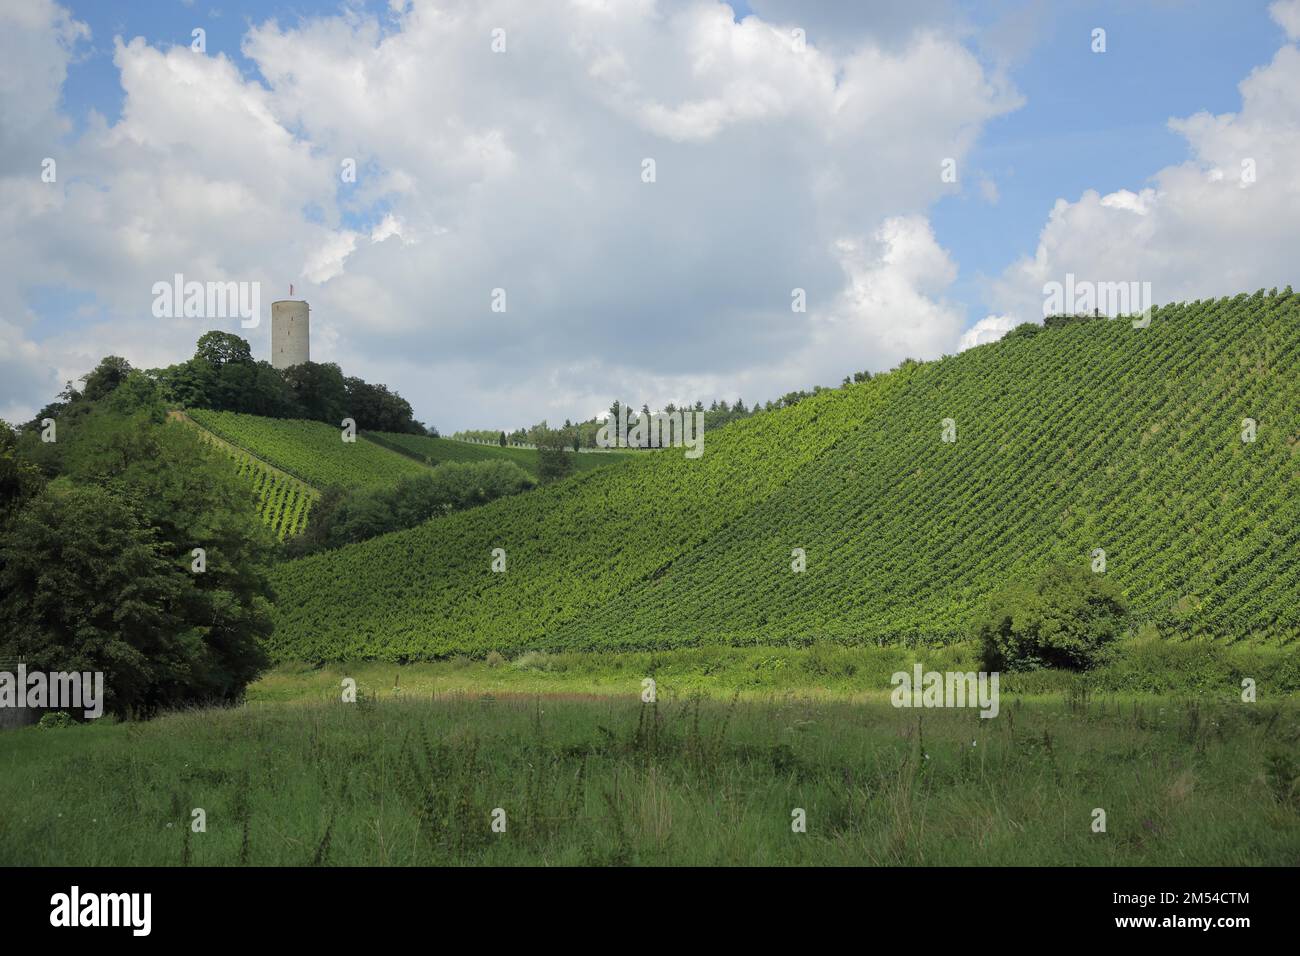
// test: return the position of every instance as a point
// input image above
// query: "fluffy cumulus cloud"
(1287, 15)
(988, 329)
(1219, 223)
(778, 164)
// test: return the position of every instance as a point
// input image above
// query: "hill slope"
(438, 450)
(1097, 435)
(310, 451)
(283, 501)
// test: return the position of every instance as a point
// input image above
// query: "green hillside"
(313, 452)
(1096, 435)
(283, 501)
(438, 450)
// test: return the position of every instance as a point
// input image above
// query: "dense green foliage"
(1091, 435)
(1066, 618)
(311, 451)
(223, 375)
(19, 479)
(97, 569)
(364, 513)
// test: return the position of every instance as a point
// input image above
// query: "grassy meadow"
(586, 773)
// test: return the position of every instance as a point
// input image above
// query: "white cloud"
(986, 330)
(893, 307)
(1287, 15)
(518, 170)
(1222, 222)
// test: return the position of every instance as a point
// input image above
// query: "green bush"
(533, 661)
(1065, 618)
(59, 718)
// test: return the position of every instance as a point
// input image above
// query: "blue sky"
(412, 233)
(1100, 121)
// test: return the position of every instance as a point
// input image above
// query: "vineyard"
(283, 502)
(438, 450)
(312, 452)
(1095, 437)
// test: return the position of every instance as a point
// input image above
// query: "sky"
(919, 169)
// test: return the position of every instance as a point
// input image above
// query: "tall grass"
(415, 779)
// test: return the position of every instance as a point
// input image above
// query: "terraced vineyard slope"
(311, 451)
(438, 450)
(284, 502)
(1089, 438)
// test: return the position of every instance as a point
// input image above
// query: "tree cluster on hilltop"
(223, 376)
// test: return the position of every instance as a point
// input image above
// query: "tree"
(1066, 618)
(222, 348)
(86, 587)
(376, 408)
(1023, 331)
(111, 372)
(318, 390)
(19, 479)
(173, 635)
(502, 442)
(553, 461)
(535, 434)
(223, 376)
(190, 384)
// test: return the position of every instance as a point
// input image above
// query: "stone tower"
(290, 333)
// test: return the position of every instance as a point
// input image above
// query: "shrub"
(52, 721)
(533, 661)
(494, 659)
(554, 460)
(1064, 618)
